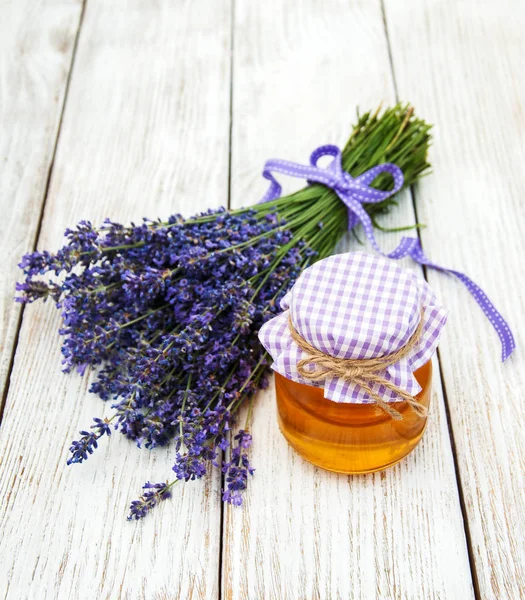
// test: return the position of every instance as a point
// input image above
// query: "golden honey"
(348, 437)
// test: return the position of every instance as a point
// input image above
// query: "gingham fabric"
(356, 305)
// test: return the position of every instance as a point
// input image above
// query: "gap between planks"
(232, 584)
(222, 520)
(201, 72)
(464, 514)
(34, 246)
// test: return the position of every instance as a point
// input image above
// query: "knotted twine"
(361, 371)
(363, 308)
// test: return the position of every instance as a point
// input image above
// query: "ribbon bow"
(356, 191)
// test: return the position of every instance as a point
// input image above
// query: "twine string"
(362, 371)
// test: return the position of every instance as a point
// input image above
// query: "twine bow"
(356, 191)
(362, 371)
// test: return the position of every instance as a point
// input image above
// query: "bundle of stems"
(168, 312)
(316, 215)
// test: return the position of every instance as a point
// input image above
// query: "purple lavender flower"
(168, 315)
(237, 470)
(155, 493)
(88, 442)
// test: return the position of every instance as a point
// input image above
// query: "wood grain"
(463, 67)
(36, 45)
(145, 133)
(299, 70)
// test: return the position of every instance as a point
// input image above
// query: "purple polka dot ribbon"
(354, 192)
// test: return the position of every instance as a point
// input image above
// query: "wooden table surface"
(133, 108)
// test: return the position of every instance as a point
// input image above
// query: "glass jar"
(348, 437)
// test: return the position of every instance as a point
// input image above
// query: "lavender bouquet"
(167, 312)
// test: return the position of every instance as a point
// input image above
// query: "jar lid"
(357, 306)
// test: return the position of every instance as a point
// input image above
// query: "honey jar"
(352, 356)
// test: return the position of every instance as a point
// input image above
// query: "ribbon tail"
(493, 315)
(508, 344)
(412, 247)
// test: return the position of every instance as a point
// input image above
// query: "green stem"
(185, 397)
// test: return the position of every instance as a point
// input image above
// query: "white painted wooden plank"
(299, 70)
(145, 132)
(36, 44)
(463, 66)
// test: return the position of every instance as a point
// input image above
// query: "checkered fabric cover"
(356, 305)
